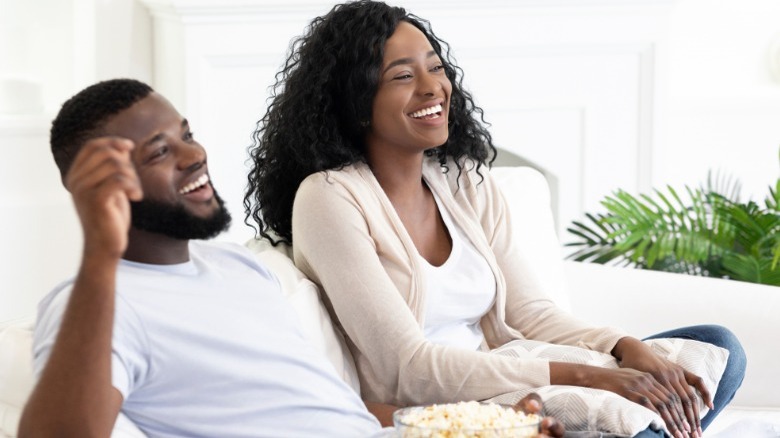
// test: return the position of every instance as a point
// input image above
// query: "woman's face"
(411, 106)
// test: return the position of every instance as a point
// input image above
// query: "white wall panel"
(41, 236)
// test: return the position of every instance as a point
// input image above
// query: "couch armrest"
(647, 302)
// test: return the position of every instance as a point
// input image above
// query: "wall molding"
(210, 11)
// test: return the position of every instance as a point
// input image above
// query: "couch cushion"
(16, 377)
(581, 408)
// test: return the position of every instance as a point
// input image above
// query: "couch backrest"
(528, 197)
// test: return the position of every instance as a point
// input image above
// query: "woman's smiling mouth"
(433, 112)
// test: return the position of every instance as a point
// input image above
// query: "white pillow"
(304, 295)
(16, 376)
(528, 197)
(582, 409)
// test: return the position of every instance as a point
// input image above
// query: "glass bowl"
(464, 420)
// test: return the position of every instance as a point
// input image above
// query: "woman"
(372, 157)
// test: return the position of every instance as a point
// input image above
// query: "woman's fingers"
(687, 401)
(667, 402)
(698, 383)
(657, 405)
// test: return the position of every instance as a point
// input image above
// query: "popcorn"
(465, 420)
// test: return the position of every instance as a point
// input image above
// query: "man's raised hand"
(102, 181)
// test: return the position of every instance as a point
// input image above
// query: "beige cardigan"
(349, 240)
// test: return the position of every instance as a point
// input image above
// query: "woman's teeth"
(195, 184)
(426, 112)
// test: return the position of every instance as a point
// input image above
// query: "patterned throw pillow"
(581, 409)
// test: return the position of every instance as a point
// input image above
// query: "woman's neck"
(399, 175)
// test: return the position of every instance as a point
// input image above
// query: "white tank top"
(459, 292)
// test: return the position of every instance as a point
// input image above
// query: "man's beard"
(173, 220)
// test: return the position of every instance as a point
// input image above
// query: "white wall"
(723, 109)
(604, 93)
(48, 50)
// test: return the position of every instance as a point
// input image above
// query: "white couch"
(643, 302)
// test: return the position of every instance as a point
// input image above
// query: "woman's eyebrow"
(402, 61)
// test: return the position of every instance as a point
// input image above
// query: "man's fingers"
(103, 161)
(530, 404)
(552, 428)
(118, 144)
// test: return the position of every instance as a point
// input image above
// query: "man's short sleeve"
(129, 362)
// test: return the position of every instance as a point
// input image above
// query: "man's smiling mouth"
(198, 183)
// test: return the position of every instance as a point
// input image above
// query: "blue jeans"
(735, 366)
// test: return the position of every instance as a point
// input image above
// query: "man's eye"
(189, 136)
(159, 152)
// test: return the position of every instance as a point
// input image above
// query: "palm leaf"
(709, 232)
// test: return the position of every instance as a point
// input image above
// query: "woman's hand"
(677, 394)
(638, 386)
(532, 404)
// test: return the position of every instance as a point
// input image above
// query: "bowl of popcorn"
(464, 420)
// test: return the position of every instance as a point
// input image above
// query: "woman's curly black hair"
(321, 101)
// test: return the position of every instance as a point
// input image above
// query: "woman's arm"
(645, 378)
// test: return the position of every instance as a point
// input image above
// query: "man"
(185, 338)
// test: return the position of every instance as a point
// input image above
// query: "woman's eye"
(403, 76)
(438, 68)
(189, 136)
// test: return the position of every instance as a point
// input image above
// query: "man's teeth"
(195, 184)
(426, 111)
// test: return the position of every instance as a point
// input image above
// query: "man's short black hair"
(83, 116)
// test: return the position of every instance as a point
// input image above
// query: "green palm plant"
(708, 232)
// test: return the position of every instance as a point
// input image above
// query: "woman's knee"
(725, 338)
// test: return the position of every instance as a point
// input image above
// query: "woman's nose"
(429, 84)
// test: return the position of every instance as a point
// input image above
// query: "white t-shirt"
(459, 292)
(211, 347)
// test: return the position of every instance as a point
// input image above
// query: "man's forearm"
(74, 395)
(382, 412)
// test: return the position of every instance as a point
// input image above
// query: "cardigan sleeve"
(528, 309)
(336, 238)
